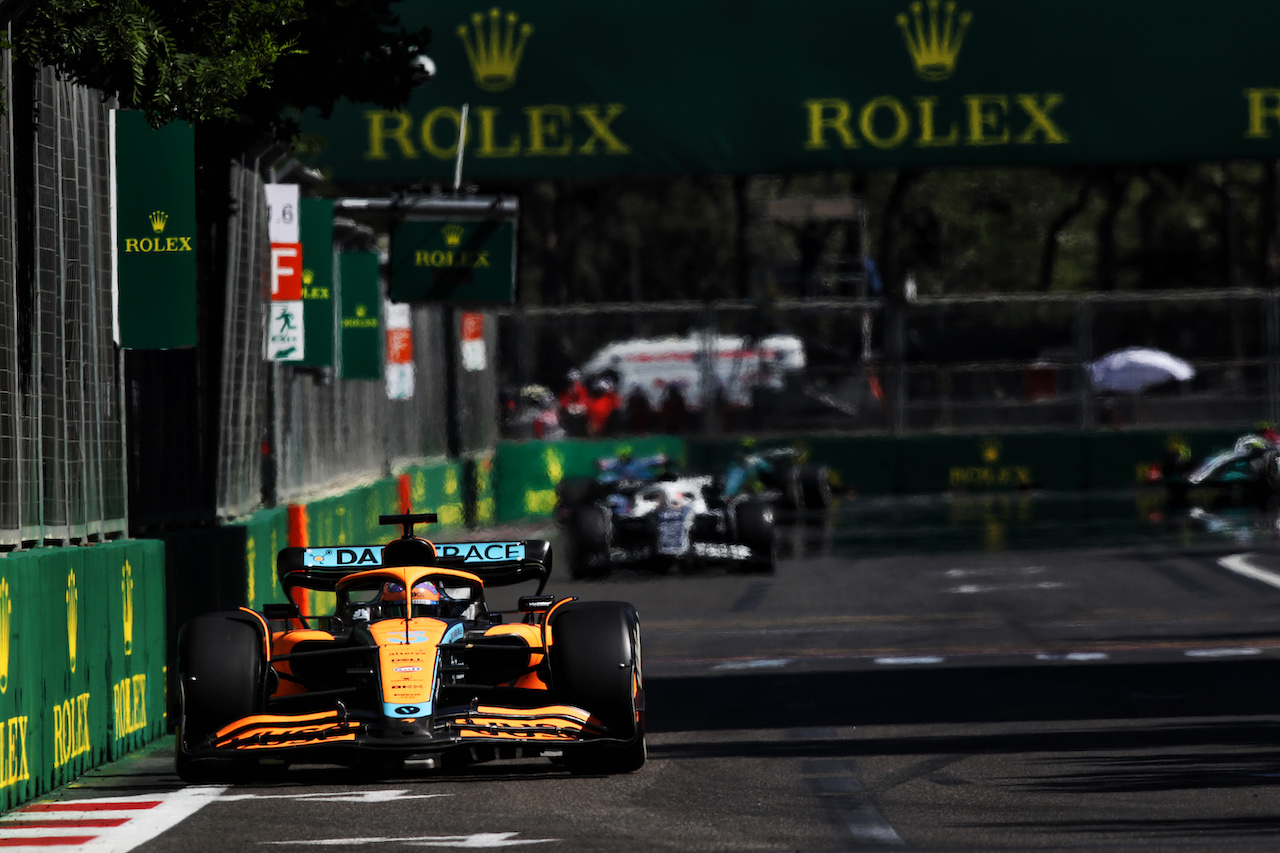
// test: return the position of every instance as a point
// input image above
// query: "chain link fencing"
(1006, 361)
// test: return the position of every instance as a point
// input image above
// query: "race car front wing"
(479, 723)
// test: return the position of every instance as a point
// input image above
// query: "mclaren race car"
(411, 665)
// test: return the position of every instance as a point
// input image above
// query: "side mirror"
(536, 603)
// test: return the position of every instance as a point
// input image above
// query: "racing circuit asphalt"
(978, 672)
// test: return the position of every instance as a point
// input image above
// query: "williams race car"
(639, 513)
(411, 665)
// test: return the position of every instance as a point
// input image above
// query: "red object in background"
(406, 493)
(297, 525)
(472, 326)
(286, 272)
(400, 346)
(1039, 382)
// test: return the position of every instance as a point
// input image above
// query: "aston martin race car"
(1253, 462)
(411, 665)
(669, 521)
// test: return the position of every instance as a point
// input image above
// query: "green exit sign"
(458, 261)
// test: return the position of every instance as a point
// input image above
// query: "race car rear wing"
(497, 563)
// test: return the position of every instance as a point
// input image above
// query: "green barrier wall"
(265, 533)
(438, 488)
(1058, 461)
(82, 661)
(526, 473)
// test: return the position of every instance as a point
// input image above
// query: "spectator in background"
(546, 421)
(674, 411)
(640, 415)
(603, 405)
(573, 404)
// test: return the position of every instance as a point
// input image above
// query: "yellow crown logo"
(934, 45)
(991, 450)
(361, 310)
(6, 613)
(126, 590)
(453, 234)
(494, 51)
(158, 220)
(308, 276)
(73, 616)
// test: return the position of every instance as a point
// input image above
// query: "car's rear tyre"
(596, 665)
(221, 672)
(590, 534)
(1271, 470)
(753, 521)
(815, 486)
(785, 478)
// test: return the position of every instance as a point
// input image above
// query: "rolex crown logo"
(361, 310)
(308, 276)
(126, 590)
(6, 631)
(158, 220)
(934, 44)
(494, 48)
(453, 234)
(73, 617)
(991, 450)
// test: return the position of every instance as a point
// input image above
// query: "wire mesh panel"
(243, 426)
(335, 433)
(61, 430)
(48, 296)
(10, 399)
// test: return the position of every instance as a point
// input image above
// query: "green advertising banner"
(83, 647)
(315, 227)
(583, 88)
(459, 261)
(155, 233)
(360, 328)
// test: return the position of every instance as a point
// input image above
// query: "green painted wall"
(82, 661)
(526, 473)
(1058, 461)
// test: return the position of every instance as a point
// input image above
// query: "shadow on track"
(970, 695)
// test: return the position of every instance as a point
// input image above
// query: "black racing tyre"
(572, 491)
(753, 521)
(1271, 470)
(222, 677)
(785, 478)
(590, 530)
(596, 665)
(815, 486)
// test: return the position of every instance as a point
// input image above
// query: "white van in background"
(740, 365)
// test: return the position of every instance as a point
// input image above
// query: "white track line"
(1240, 564)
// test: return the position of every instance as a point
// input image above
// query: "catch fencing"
(932, 364)
(62, 465)
(333, 434)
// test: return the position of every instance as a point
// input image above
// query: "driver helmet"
(425, 598)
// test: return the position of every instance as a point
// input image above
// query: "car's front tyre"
(596, 665)
(221, 674)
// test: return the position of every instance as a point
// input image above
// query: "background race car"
(411, 665)
(639, 513)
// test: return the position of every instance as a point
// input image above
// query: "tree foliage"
(251, 64)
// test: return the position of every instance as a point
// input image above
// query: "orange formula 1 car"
(412, 666)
